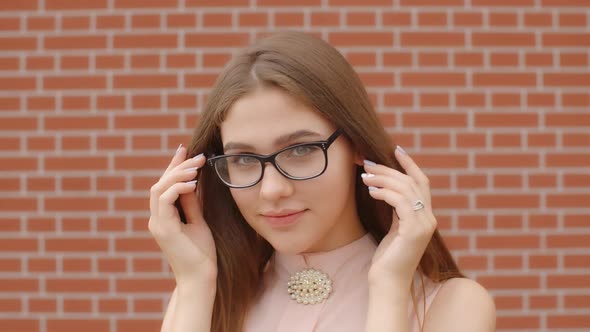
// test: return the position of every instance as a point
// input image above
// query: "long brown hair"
(315, 73)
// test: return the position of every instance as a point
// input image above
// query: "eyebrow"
(281, 140)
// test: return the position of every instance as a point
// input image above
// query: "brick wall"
(490, 96)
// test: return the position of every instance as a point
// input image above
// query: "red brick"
(324, 19)
(74, 62)
(75, 42)
(187, 20)
(576, 301)
(216, 39)
(42, 305)
(507, 241)
(253, 19)
(147, 21)
(432, 39)
(139, 81)
(501, 3)
(508, 39)
(506, 120)
(112, 306)
(77, 305)
(133, 4)
(217, 20)
(567, 160)
(111, 265)
(86, 325)
(289, 19)
(75, 122)
(146, 41)
(18, 43)
(499, 160)
(76, 204)
(130, 325)
(518, 322)
(20, 204)
(538, 19)
(74, 82)
(75, 5)
(145, 122)
(136, 244)
(276, 3)
(17, 83)
(40, 23)
(507, 201)
(18, 5)
(141, 162)
(110, 22)
(566, 79)
(566, 39)
(503, 282)
(340, 39)
(144, 285)
(75, 23)
(568, 281)
(19, 285)
(503, 19)
(77, 265)
(467, 19)
(436, 79)
(15, 324)
(543, 301)
(435, 3)
(568, 241)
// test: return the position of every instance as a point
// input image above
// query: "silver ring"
(418, 205)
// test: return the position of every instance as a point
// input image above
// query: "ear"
(359, 158)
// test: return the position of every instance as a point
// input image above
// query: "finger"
(396, 200)
(167, 209)
(191, 207)
(165, 182)
(404, 186)
(411, 167)
(178, 157)
(421, 192)
(420, 223)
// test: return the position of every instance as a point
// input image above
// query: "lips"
(283, 218)
(282, 213)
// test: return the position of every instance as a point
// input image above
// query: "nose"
(274, 185)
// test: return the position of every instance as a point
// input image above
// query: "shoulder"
(461, 305)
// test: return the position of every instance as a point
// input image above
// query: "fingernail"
(369, 163)
(191, 182)
(367, 175)
(197, 156)
(371, 188)
(178, 149)
(192, 169)
(401, 150)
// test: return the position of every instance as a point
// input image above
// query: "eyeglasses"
(297, 162)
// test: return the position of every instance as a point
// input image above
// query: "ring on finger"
(418, 205)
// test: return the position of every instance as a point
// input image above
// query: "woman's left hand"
(400, 251)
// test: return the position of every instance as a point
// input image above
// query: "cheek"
(243, 199)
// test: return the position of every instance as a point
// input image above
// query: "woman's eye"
(301, 151)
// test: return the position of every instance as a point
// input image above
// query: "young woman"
(303, 217)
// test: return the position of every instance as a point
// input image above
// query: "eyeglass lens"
(301, 162)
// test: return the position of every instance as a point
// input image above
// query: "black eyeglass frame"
(271, 158)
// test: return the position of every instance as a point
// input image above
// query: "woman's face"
(295, 216)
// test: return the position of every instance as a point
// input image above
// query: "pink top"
(346, 307)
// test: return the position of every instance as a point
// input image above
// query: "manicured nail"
(367, 175)
(191, 182)
(369, 163)
(178, 149)
(197, 156)
(401, 150)
(192, 169)
(371, 188)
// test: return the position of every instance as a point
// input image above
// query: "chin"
(288, 243)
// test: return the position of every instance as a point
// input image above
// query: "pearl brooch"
(309, 286)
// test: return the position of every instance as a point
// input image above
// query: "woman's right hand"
(189, 247)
